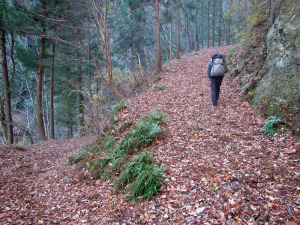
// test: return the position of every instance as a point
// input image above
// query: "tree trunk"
(11, 52)
(178, 29)
(220, 22)
(8, 116)
(165, 41)
(208, 23)
(91, 101)
(229, 21)
(52, 128)
(197, 28)
(202, 33)
(40, 81)
(2, 117)
(171, 40)
(158, 65)
(214, 22)
(80, 99)
(69, 123)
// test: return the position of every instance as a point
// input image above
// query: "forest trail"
(219, 167)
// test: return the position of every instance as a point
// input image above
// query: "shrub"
(272, 125)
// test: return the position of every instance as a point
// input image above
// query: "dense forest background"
(64, 64)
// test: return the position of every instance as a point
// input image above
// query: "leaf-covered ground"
(219, 167)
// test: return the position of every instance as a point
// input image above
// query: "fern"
(77, 157)
(272, 125)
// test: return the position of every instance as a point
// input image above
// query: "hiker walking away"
(216, 69)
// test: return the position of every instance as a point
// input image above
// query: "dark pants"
(215, 84)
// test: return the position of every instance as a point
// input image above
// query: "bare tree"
(99, 9)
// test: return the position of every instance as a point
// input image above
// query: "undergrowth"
(115, 109)
(109, 157)
(272, 125)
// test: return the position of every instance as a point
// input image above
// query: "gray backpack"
(217, 69)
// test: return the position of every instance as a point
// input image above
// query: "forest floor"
(219, 168)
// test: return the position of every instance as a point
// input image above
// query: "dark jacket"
(210, 64)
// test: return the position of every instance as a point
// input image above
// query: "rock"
(280, 85)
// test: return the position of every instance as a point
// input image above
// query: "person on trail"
(216, 69)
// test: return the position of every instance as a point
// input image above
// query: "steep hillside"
(218, 166)
(268, 68)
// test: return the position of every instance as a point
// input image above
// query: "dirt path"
(219, 167)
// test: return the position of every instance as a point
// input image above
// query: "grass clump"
(77, 157)
(141, 177)
(141, 135)
(272, 125)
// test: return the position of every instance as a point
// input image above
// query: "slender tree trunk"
(40, 81)
(80, 99)
(208, 20)
(229, 24)
(202, 33)
(8, 116)
(171, 40)
(197, 28)
(91, 101)
(158, 65)
(11, 52)
(69, 123)
(52, 128)
(165, 41)
(220, 22)
(178, 29)
(214, 22)
(132, 61)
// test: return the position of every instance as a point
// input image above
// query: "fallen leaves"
(219, 167)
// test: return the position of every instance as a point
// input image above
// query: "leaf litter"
(218, 167)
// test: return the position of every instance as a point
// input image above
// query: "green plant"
(156, 117)
(158, 87)
(245, 88)
(147, 182)
(77, 157)
(272, 125)
(125, 125)
(132, 169)
(115, 109)
(110, 143)
(141, 176)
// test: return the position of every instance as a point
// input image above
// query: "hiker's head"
(216, 56)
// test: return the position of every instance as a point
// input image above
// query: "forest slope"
(219, 167)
